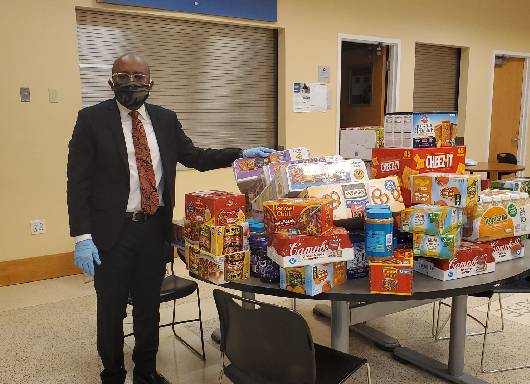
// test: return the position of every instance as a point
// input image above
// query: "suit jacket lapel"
(117, 132)
(159, 136)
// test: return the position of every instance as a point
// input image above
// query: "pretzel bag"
(386, 191)
(347, 200)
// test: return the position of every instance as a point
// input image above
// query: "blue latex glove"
(257, 152)
(85, 254)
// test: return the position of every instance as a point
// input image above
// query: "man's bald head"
(130, 63)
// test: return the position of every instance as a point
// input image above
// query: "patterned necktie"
(149, 194)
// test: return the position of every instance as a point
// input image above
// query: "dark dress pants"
(135, 264)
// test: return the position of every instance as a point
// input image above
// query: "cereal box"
(386, 191)
(300, 250)
(217, 269)
(347, 200)
(357, 142)
(403, 162)
(440, 246)
(358, 267)
(294, 178)
(221, 240)
(508, 248)
(215, 207)
(311, 279)
(431, 219)
(298, 216)
(393, 276)
(445, 189)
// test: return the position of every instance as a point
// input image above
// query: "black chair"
(272, 344)
(174, 288)
(507, 158)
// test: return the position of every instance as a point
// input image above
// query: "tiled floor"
(48, 333)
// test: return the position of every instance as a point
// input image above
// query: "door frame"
(394, 58)
(525, 102)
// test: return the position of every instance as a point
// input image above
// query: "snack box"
(403, 162)
(440, 246)
(217, 269)
(431, 219)
(339, 273)
(215, 207)
(357, 142)
(470, 260)
(347, 200)
(394, 275)
(268, 193)
(310, 279)
(445, 189)
(221, 240)
(300, 250)
(386, 191)
(294, 178)
(178, 231)
(420, 129)
(272, 169)
(300, 216)
(519, 184)
(508, 248)
(192, 230)
(358, 266)
(248, 171)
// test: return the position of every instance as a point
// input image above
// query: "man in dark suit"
(121, 193)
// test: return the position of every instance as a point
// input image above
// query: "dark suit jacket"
(98, 169)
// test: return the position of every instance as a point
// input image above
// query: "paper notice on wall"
(310, 97)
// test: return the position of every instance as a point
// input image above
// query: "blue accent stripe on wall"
(247, 9)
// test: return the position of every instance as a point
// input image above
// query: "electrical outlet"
(38, 226)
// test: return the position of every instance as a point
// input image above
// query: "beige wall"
(39, 51)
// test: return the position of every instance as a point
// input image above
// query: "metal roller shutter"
(221, 79)
(436, 78)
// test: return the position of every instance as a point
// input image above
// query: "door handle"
(516, 139)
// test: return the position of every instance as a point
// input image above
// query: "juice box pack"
(358, 266)
(508, 248)
(404, 162)
(440, 246)
(294, 178)
(431, 219)
(310, 279)
(347, 200)
(393, 276)
(519, 184)
(214, 207)
(386, 191)
(222, 240)
(470, 259)
(445, 189)
(300, 250)
(299, 216)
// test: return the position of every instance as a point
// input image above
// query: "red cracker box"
(311, 216)
(215, 207)
(301, 250)
(470, 260)
(404, 162)
(508, 248)
(393, 276)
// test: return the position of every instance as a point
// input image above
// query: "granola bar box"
(394, 275)
(310, 279)
(405, 162)
(309, 216)
(223, 239)
(301, 250)
(215, 207)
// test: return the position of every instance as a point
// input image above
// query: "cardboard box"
(440, 246)
(222, 240)
(298, 216)
(357, 142)
(294, 178)
(347, 200)
(470, 260)
(393, 276)
(420, 129)
(403, 162)
(310, 280)
(386, 191)
(508, 248)
(431, 219)
(519, 184)
(358, 266)
(271, 170)
(299, 250)
(445, 189)
(215, 207)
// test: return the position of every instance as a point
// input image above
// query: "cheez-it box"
(404, 162)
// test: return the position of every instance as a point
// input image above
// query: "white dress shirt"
(134, 202)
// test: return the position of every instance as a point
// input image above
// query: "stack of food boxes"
(357, 142)
(216, 236)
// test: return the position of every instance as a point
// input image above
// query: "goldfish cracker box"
(215, 207)
(431, 219)
(298, 216)
(405, 162)
(347, 200)
(439, 246)
(394, 275)
(310, 280)
(386, 191)
(221, 240)
(452, 190)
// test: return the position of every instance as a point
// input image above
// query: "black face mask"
(131, 95)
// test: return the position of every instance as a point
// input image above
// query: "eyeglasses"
(122, 78)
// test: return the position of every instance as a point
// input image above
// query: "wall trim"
(37, 268)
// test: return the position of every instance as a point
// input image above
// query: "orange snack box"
(394, 275)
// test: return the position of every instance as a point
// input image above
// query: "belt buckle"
(138, 216)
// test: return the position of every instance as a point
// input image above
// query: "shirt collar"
(125, 111)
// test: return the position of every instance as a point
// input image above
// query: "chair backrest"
(508, 158)
(271, 343)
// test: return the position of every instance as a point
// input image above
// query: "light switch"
(24, 94)
(323, 73)
(53, 95)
